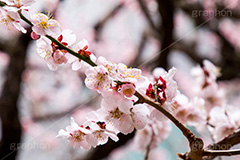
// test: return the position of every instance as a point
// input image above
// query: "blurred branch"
(147, 15)
(230, 61)
(222, 152)
(166, 10)
(50, 116)
(141, 46)
(99, 26)
(149, 145)
(225, 144)
(189, 50)
(11, 127)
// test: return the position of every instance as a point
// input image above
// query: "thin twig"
(149, 145)
(61, 46)
(221, 152)
(147, 15)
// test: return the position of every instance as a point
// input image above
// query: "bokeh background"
(36, 102)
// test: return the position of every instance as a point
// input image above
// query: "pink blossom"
(127, 90)
(154, 132)
(131, 75)
(35, 36)
(44, 24)
(19, 4)
(58, 57)
(11, 18)
(78, 136)
(213, 96)
(81, 48)
(51, 52)
(111, 67)
(45, 50)
(123, 117)
(206, 75)
(100, 132)
(222, 122)
(166, 86)
(190, 112)
(98, 78)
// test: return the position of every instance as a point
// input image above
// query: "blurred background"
(36, 102)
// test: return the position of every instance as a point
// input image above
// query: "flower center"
(43, 23)
(77, 135)
(128, 91)
(116, 114)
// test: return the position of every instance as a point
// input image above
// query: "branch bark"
(11, 127)
(166, 10)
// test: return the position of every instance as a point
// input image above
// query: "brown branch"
(186, 132)
(166, 10)
(225, 143)
(216, 153)
(149, 146)
(99, 26)
(11, 127)
(196, 144)
(137, 61)
(147, 15)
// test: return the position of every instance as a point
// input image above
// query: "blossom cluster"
(120, 110)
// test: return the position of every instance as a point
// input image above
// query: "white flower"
(51, 52)
(11, 18)
(19, 4)
(98, 78)
(222, 122)
(127, 90)
(207, 74)
(111, 67)
(44, 24)
(78, 136)
(81, 48)
(100, 132)
(122, 115)
(131, 75)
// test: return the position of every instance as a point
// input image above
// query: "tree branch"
(194, 142)
(11, 127)
(166, 10)
(147, 15)
(99, 26)
(216, 153)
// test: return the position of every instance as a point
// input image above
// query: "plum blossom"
(81, 48)
(11, 18)
(207, 74)
(223, 122)
(45, 50)
(165, 85)
(100, 133)
(152, 134)
(131, 75)
(44, 24)
(163, 90)
(124, 117)
(78, 136)
(98, 78)
(19, 4)
(51, 52)
(111, 67)
(127, 90)
(190, 112)
(213, 96)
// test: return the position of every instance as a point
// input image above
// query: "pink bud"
(35, 36)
